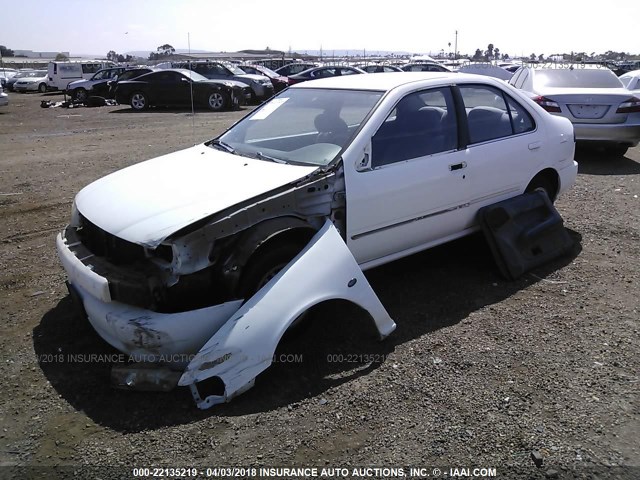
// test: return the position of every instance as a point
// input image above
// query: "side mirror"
(364, 164)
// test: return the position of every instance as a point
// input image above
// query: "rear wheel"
(79, 95)
(543, 182)
(139, 101)
(217, 101)
(42, 88)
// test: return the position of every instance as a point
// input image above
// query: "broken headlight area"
(144, 277)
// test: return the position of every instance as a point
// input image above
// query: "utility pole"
(455, 47)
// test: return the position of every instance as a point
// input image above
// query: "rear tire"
(139, 101)
(543, 182)
(42, 88)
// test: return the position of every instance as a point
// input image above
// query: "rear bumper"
(618, 133)
(567, 176)
(263, 92)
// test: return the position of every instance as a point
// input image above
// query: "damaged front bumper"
(232, 341)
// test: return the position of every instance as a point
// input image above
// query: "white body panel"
(245, 345)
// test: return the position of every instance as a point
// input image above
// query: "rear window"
(577, 78)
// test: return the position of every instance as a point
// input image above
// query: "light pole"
(455, 47)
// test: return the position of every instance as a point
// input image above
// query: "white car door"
(505, 148)
(410, 190)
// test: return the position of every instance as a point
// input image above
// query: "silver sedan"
(602, 111)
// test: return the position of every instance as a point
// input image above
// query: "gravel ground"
(479, 373)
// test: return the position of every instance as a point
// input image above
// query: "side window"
(421, 124)
(90, 67)
(326, 72)
(523, 78)
(154, 78)
(490, 116)
(219, 70)
(173, 77)
(521, 120)
(514, 80)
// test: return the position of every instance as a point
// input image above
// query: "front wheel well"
(546, 179)
(282, 245)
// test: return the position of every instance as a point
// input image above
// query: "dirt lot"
(479, 373)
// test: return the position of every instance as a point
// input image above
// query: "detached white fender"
(245, 345)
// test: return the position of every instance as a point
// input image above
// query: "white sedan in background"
(602, 110)
(631, 81)
(32, 82)
(197, 262)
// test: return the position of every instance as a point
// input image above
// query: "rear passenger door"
(503, 144)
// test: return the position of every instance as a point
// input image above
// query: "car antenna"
(193, 113)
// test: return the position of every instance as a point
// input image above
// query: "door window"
(422, 123)
(492, 115)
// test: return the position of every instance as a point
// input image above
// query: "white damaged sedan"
(197, 262)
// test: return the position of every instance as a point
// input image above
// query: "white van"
(61, 74)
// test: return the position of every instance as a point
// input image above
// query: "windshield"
(267, 72)
(234, 69)
(577, 78)
(34, 74)
(259, 70)
(303, 126)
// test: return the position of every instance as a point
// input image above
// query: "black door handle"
(458, 166)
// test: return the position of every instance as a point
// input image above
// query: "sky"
(517, 28)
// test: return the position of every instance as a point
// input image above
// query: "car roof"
(631, 74)
(184, 71)
(390, 80)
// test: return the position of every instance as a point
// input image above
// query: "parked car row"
(261, 86)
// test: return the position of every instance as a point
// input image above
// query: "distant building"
(32, 54)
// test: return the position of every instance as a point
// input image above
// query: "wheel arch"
(259, 238)
(224, 385)
(548, 176)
